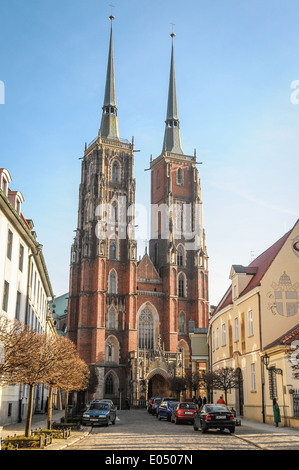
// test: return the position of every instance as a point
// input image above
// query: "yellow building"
(254, 330)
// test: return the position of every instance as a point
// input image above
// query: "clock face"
(295, 246)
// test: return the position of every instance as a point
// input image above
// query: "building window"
(115, 172)
(181, 285)
(9, 244)
(109, 385)
(217, 338)
(250, 323)
(112, 282)
(112, 249)
(111, 318)
(223, 334)
(146, 329)
(182, 322)
(18, 305)
(21, 258)
(5, 296)
(158, 179)
(114, 216)
(252, 377)
(236, 325)
(179, 176)
(180, 256)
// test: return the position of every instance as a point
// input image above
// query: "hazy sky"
(235, 63)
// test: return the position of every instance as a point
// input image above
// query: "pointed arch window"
(112, 282)
(109, 385)
(111, 318)
(181, 285)
(112, 249)
(115, 172)
(179, 176)
(182, 323)
(146, 329)
(180, 256)
(114, 212)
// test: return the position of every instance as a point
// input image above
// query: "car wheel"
(232, 430)
(159, 417)
(203, 429)
(176, 421)
(195, 428)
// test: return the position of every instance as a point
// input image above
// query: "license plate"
(220, 417)
(93, 419)
(188, 413)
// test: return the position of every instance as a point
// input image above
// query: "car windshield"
(216, 408)
(172, 404)
(188, 406)
(99, 406)
(157, 400)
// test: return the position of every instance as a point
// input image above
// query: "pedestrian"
(199, 401)
(204, 401)
(220, 400)
(276, 412)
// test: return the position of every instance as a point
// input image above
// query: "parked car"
(183, 412)
(156, 402)
(214, 416)
(165, 409)
(99, 412)
(149, 405)
(105, 400)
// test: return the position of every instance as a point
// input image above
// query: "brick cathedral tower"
(102, 293)
(177, 246)
(129, 319)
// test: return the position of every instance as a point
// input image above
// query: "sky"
(237, 67)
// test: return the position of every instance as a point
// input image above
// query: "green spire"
(172, 136)
(109, 123)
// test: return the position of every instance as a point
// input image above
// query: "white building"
(25, 289)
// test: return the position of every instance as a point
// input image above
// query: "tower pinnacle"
(172, 137)
(109, 123)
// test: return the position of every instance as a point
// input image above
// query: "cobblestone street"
(136, 430)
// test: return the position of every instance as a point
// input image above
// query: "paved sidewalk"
(39, 421)
(268, 428)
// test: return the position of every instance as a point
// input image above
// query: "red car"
(184, 412)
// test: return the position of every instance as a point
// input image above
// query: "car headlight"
(85, 416)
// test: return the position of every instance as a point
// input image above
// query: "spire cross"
(172, 33)
(111, 16)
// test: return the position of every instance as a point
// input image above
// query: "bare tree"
(225, 379)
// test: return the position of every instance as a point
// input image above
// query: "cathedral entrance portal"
(158, 386)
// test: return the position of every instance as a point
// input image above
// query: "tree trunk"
(66, 406)
(49, 411)
(29, 411)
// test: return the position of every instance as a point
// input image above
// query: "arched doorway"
(239, 394)
(158, 386)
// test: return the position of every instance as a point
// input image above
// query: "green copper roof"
(109, 123)
(172, 136)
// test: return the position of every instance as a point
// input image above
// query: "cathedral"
(130, 318)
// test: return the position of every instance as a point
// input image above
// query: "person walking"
(276, 412)
(199, 401)
(220, 400)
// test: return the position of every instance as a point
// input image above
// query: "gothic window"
(112, 282)
(109, 385)
(158, 179)
(179, 176)
(111, 318)
(181, 285)
(180, 256)
(146, 329)
(112, 249)
(182, 322)
(114, 215)
(115, 172)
